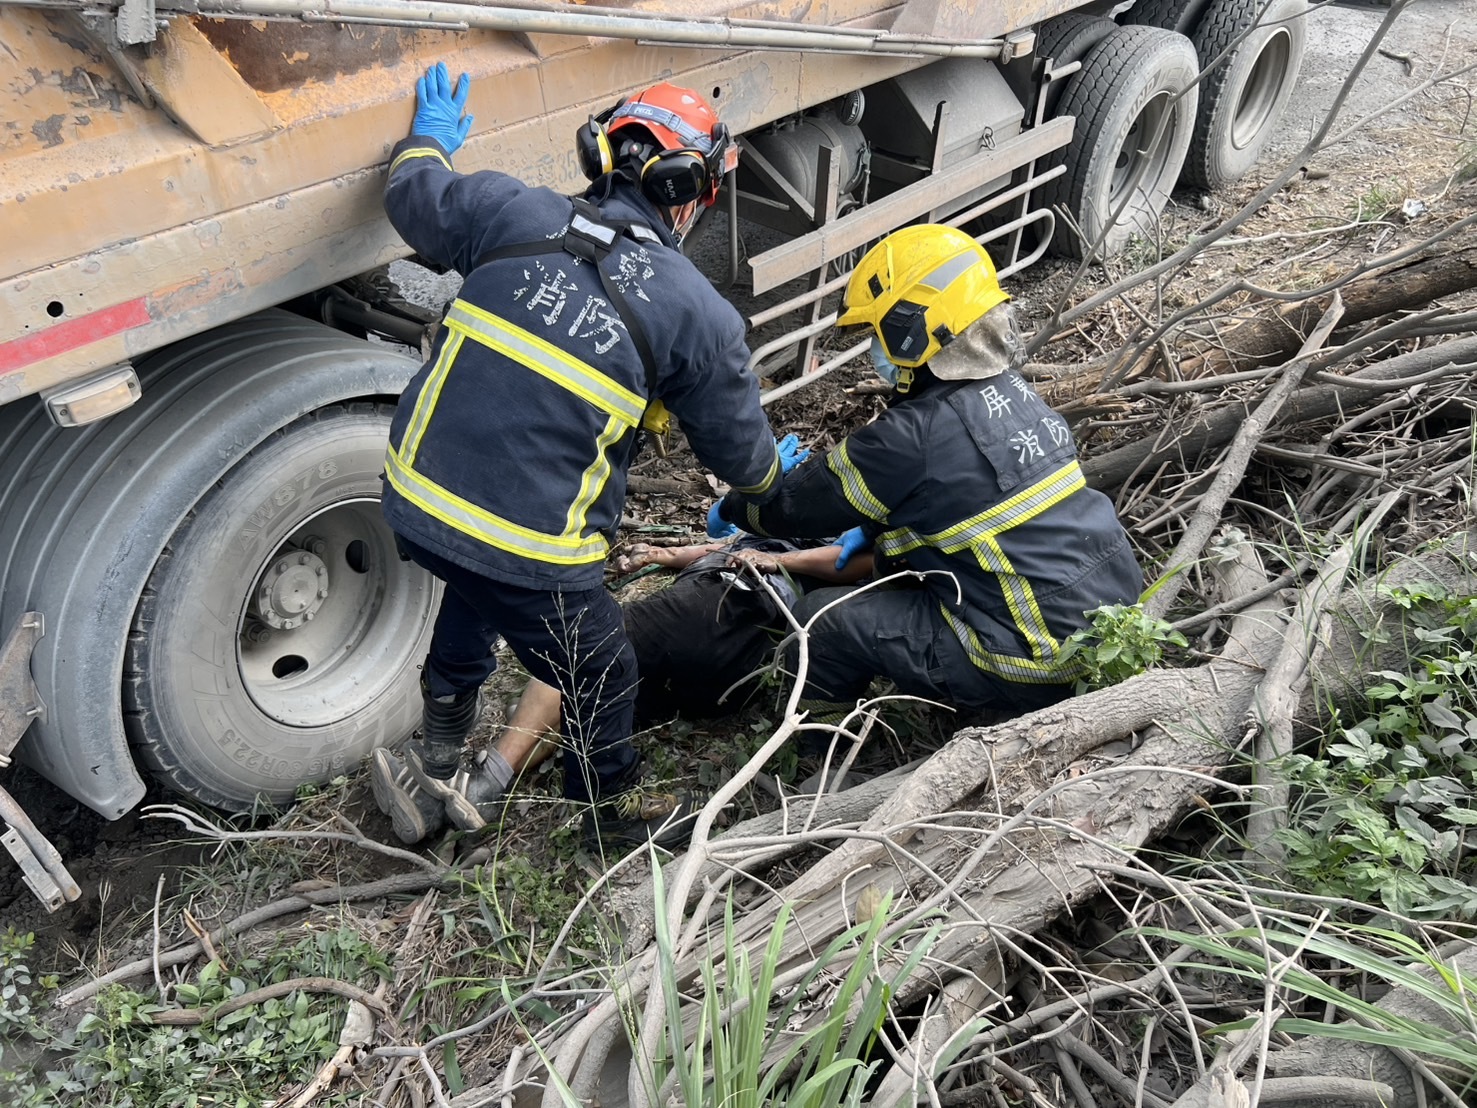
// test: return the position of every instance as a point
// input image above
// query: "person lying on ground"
(969, 480)
(699, 643)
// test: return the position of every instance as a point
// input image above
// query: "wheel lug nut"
(304, 559)
(307, 615)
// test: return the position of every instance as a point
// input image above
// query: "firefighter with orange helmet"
(968, 478)
(578, 323)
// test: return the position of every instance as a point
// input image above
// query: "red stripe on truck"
(90, 328)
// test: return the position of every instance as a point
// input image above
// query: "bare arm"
(818, 562)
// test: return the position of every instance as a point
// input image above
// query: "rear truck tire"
(1171, 15)
(1067, 39)
(279, 630)
(1243, 97)
(1135, 101)
(165, 494)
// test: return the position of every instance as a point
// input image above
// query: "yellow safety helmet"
(919, 288)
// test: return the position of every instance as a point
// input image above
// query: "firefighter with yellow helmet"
(969, 478)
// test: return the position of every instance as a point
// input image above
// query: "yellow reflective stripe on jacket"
(1026, 504)
(418, 152)
(592, 482)
(751, 517)
(425, 403)
(1009, 666)
(853, 485)
(466, 517)
(979, 535)
(1018, 598)
(547, 360)
(769, 479)
(897, 542)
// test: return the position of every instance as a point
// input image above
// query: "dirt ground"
(1407, 154)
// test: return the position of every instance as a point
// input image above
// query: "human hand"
(718, 527)
(762, 561)
(851, 542)
(790, 453)
(438, 110)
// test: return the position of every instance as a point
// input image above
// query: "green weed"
(1123, 640)
(1378, 200)
(119, 1057)
(1385, 809)
(1259, 955)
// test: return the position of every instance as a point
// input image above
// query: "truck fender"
(86, 513)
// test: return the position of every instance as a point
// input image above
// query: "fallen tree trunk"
(1412, 283)
(1109, 470)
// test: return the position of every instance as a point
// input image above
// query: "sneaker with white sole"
(459, 810)
(414, 816)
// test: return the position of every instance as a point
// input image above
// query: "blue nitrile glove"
(790, 453)
(438, 110)
(851, 542)
(718, 527)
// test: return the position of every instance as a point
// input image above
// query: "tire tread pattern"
(1223, 23)
(1171, 15)
(1109, 73)
(1066, 39)
(140, 720)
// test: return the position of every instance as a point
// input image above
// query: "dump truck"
(200, 352)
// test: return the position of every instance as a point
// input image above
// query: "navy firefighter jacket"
(977, 479)
(508, 451)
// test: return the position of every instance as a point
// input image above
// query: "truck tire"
(1171, 15)
(87, 515)
(279, 634)
(1067, 39)
(1134, 100)
(1243, 96)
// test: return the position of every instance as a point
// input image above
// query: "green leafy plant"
(120, 1057)
(1385, 809)
(1123, 640)
(18, 987)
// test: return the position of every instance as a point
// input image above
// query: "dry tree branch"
(193, 822)
(1208, 514)
(386, 886)
(194, 1017)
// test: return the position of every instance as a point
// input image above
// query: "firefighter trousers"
(572, 639)
(897, 632)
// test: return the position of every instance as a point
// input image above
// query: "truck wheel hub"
(292, 590)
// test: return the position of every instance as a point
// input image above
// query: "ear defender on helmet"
(592, 145)
(919, 288)
(691, 153)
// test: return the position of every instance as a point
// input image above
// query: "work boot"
(447, 792)
(640, 815)
(413, 814)
(446, 721)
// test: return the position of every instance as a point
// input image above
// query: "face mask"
(882, 363)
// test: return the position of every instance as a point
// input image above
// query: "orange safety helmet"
(693, 152)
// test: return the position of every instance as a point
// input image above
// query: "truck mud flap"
(41, 865)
